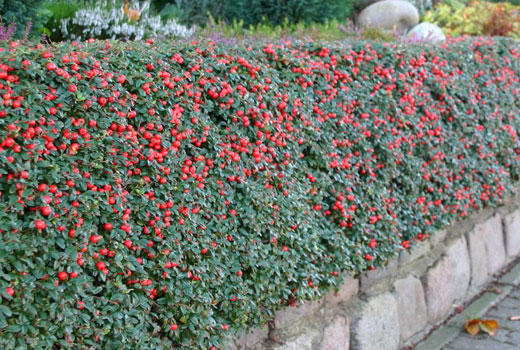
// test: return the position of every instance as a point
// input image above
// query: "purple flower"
(6, 33)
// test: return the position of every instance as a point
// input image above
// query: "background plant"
(256, 11)
(53, 12)
(513, 2)
(20, 12)
(7, 31)
(120, 20)
(476, 18)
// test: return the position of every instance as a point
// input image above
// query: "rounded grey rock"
(390, 15)
(426, 32)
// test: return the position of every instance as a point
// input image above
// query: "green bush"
(274, 11)
(157, 196)
(266, 32)
(513, 2)
(53, 12)
(20, 12)
(254, 12)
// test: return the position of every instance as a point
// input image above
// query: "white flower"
(109, 20)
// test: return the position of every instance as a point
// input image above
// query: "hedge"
(159, 195)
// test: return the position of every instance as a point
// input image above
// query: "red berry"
(173, 327)
(72, 88)
(9, 142)
(63, 276)
(95, 238)
(101, 265)
(73, 274)
(46, 211)
(108, 226)
(9, 291)
(42, 187)
(40, 224)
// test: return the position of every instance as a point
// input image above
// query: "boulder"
(390, 15)
(426, 32)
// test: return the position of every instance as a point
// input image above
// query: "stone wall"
(395, 306)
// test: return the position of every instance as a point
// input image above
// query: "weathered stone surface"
(512, 234)
(486, 251)
(251, 337)
(426, 32)
(347, 291)
(305, 341)
(418, 251)
(378, 327)
(369, 278)
(478, 259)
(438, 290)
(288, 316)
(411, 306)
(337, 335)
(458, 255)
(390, 14)
(439, 237)
(494, 240)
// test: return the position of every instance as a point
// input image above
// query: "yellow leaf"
(489, 326)
(472, 326)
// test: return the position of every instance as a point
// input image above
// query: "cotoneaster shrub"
(159, 196)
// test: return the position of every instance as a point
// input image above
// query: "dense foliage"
(476, 18)
(19, 12)
(253, 12)
(514, 2)
(73, 20)
(154, 195)
(106, 19)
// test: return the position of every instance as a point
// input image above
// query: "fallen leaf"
(489, 326)
(494, 290)
(476, 325)
(472, 326)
